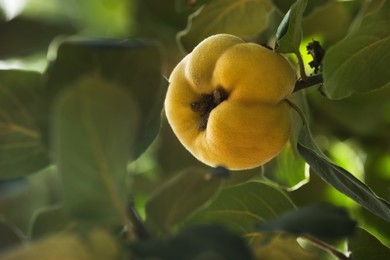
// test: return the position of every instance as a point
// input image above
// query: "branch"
(309, 82)
(339, 255)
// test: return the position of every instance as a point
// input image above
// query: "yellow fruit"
(226, 102)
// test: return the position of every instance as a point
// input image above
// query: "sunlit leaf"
(198, 242)
(134, 65)
(244, 19)
(242, 207)
(97, 244)
(181, 197)
(339, 178)
(94, 127)
(360, 62)
(289, 33)
(365, 246)
(21, 149)
(319, 220)
(281, 247)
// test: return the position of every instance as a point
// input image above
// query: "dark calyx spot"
(207, 103)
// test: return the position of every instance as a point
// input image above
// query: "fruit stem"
(301, 66)
(309, 82)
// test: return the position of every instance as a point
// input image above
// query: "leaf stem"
(309, 82)
(327, 247)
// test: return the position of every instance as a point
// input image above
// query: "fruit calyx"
(207, 103)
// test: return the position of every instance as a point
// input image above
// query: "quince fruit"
(226, 102)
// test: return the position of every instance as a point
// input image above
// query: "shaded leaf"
(21, 149)
(281, 247)
(289, 32)
(198, 242)
(365, 246)
(320, 220)
(243, 206)
(94, 127)
(96, 244)
(284, 5)
(339, 178)
(23, 36)
(132, 64)
(9, 236)
(244, 19)
(48, 220)
(181, 197)
(359, 63)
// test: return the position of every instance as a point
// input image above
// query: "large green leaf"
(181, 197)
(134, 65)
(360, 62)
(21, 149)
(289, 33)
(243, 206)
(339, 178)
(244, 19)
(364, 246)
(94, 126)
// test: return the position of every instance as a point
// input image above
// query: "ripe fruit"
(226, 102)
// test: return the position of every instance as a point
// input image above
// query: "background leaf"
(365, 246)
(9, 235)
(95, 244)
(359, 63)
(280, 246)
(22, 151)
(243, 206)
(289, 33)
(241, 18)
(47, 220)
(180, 197)
(133, 64)
(94, 127)
(340, 178)
(198, 242)
(323, 221)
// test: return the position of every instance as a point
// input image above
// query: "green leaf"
(94, 126)
(134, 65)
(22, 151)
(360, 62)
(289, 32)
(339, 178)
(241, 18)
(92, 245)
(280, 246)
(243, 206)
(181, 197)
(9, 235)
(284, 5)
(198, 242)
(49, 219)
(288, 168)
(322, 220)
(363, 246)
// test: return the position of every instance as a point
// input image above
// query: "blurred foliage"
(67, 164)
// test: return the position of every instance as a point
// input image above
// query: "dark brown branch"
(309, 82)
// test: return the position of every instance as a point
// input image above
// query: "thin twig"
(301, 65)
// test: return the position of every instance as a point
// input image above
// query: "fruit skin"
(253, 124)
